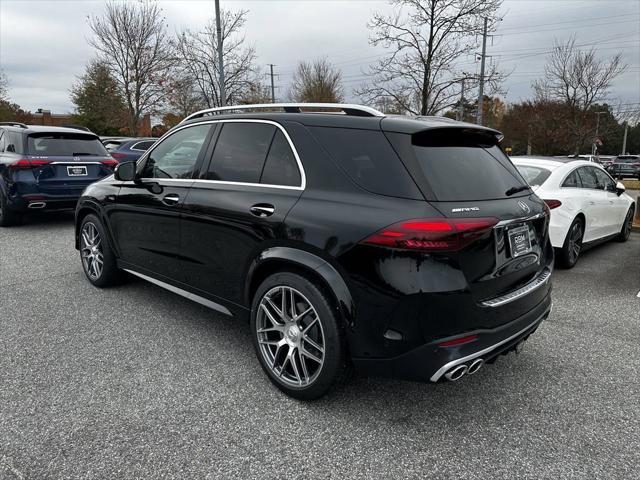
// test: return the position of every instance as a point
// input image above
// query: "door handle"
(262, 210)
(171, 199)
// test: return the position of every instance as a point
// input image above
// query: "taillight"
(118, 156)
(26, 164)
(458, 341)
(553, 204)
(437, 234)
(110, 163)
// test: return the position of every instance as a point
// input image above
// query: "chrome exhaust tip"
(456, 373)
(475, 366)
(37, 205)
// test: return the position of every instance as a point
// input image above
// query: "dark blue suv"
(47, 168)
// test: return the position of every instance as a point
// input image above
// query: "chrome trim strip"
(534, 284)
(303, 176)
(77, 163)
(447, 366)
(503, 223)
(270, 106)
(191, 296)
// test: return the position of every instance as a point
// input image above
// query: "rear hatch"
(500, 225)
(65, 163)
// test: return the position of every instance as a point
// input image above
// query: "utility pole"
(594, 147)
(273, 89)
(624, 138)
(481, 88)
(461, 106)
(223, 94)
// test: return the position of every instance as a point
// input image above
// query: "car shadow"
(47, 218)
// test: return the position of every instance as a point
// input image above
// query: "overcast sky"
(43, 44)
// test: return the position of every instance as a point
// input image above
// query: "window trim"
(303, 178)
(597, 167)
(138, 143)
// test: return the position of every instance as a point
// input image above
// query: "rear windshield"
(627, 160)
(464, 165)
(534, 175)
(65, 144)
(369, 160)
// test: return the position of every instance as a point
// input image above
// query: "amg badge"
(465, 209)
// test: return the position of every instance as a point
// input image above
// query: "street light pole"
(481, 87)
(223, 94)
(595, 139)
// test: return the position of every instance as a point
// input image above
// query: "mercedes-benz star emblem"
(524, 207)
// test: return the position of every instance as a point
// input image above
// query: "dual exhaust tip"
(459, 371)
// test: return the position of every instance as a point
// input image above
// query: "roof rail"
(345, 108)
(14, 124)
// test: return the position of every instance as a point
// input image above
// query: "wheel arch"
(277, 259)
(82, 211)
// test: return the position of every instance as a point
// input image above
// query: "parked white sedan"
(587, 205)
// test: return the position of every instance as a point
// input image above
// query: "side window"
(240, 152)
(143, 146)
(281, 167)
(604, 181)
(588, 177)
(1, 141)
(13, 142)
(176, 156)
(573, 180)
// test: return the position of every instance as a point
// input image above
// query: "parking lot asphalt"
(134, 382)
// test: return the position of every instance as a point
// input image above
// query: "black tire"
(625, 231)
(103, 275)
(8, 218)
(273, 347)
(567, 256)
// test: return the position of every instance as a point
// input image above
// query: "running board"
(191, 296)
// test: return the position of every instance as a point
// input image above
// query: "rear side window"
(534, 175)
(588, 177)
(142, 146)
(368, 159)
(464, 165)
(64, 144)
(281, 167)
(573, 180)
(240, 152)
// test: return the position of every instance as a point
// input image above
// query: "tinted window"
(587, 177)
(240, 152)
(604, 180)
(64, 144)
(143, 145)
(573, 180)
(466, 165)
(534, 175)
(367, 157)
(1, 141)
(176, 156)
(281, 167)
(13, 142)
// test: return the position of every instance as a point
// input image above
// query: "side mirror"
(125, 172)
(620, 188)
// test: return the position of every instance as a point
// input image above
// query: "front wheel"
(98, 259)
(297, 336)
(625, 232)
(568, 254)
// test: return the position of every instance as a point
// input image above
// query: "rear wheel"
(570, 251)
(625, 232)
(98, 260)
(297, 337)
(7, 217)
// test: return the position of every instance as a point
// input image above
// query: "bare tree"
(131, 38)
(198, 52)
(426, 38)
(317, 81)
(183, 97)
(579, 80)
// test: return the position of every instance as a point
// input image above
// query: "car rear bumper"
(39, 202)
(430, 362)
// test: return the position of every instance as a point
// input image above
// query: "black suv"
(47, 168)
(406, 247)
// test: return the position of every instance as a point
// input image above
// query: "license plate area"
(519, 241)
(77, 171)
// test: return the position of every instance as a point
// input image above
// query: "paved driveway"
(136, 382)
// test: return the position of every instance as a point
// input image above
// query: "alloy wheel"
(575, 242)
(290, 336)
(91, 251)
